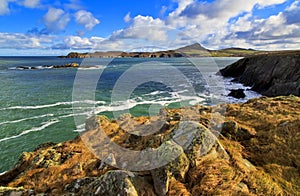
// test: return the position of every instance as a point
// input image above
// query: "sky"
(57, 27)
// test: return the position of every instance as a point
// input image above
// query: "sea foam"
(47, 124)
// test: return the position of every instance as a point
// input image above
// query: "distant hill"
(195, 46)
(194, 50)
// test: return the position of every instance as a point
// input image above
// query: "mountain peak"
(195, 46)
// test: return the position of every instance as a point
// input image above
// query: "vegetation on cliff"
(256, 153)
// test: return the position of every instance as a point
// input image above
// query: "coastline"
(271, 75)
(250, 143)
(245, 131)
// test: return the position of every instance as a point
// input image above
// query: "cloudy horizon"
(56, 27)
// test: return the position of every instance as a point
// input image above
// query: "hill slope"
(194, 50)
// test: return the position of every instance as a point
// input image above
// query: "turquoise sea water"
(36, 103)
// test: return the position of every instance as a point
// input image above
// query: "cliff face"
(270, 75)
(257, 153)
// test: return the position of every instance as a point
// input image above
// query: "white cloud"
(31, 3)
(127, 18)
(163, 11)
(73, 5)
(23, 41)
(86, 19)
(293, 6)
(76, 42)
(221, 23)
(56, 20)
(90, 44)
(278, 31)
(4, 7)
(143, 27)
(211, 22)
(4, 4)
(264, 3)
(214, 30)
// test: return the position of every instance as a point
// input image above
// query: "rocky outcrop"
(270, 75)
(256, 152)
(68, 65)
(75, 55)
(237, 93)
(159, 54)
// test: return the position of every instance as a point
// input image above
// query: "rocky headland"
(190, 51)
(256, 152)
(270, 75)
(116, 54)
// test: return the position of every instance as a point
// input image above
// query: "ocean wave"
(229, 85)
(156, 93)
(76, 114)
(91, 67)
(25, 119)
(87, 114)
(80, 128)
(45, 125)
(30, 67)
(53, 105)
(164, 101)
(41, 67)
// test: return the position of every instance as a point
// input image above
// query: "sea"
(40, 103)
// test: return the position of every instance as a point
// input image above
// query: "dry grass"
(267, 163)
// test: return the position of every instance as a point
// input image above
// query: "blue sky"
(55, 27)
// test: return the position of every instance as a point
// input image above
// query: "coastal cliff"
(270, 75)
(256, 153)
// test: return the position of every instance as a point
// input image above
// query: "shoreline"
(245, 133)
(256, 139)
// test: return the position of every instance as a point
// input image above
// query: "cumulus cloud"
(220, 23)
(284, 25)
(77, 42)
(90, 44)
(281, 30)
(56, 20)
(4, 4)
(4, 7)
(143, 27)
(264, 3)
(224, 9)
(213, 28)
(23, 41)
(86, 19)
(31, 3)
(293, 13)
(127, 18)
(231, 22)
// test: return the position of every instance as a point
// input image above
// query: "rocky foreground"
(257, 152)
(270, 75)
